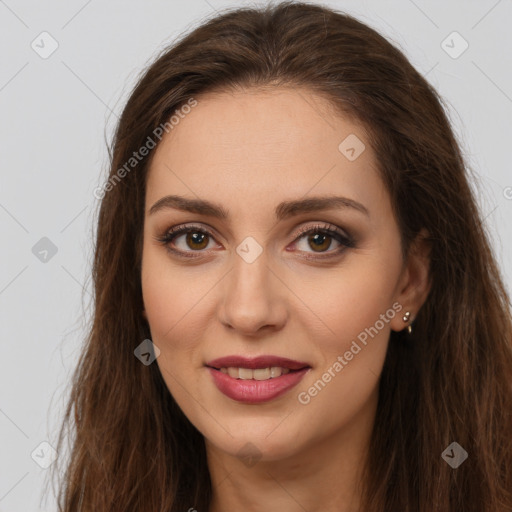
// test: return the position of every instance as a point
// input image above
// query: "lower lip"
(256, 391)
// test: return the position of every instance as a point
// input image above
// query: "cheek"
(355, 305)
(172, 297)
(357, 310)
(344, 304)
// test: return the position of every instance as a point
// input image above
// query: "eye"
(194, 237)
(184, 240)
(320, 238)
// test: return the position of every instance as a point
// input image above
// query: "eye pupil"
(316, 242)
(196, 238)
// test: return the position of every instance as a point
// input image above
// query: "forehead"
(253, 149)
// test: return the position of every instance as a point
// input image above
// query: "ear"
(414, 283)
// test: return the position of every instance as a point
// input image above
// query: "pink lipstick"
(256, 380)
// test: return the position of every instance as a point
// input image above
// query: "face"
(299, 297)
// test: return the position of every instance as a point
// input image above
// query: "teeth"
(256, 374)
(261, 374)
(275, 371)
(233, 372)
(245, 373)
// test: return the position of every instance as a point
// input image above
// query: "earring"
(406, 318)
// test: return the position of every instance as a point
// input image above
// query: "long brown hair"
(451, 380)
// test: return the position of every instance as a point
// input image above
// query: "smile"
(257, 380)
(257, 374)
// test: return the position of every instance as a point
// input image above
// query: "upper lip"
(266, 361)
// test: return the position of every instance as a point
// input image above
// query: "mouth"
(256, 380)
(256, 374)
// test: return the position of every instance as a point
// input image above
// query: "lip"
(253, 391)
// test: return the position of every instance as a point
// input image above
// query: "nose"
(253, 300)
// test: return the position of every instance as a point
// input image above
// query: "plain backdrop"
(56, 110)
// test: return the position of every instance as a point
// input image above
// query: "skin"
(249, 151)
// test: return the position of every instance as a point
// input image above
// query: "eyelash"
(345, 241)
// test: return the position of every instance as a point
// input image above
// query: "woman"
(296, 303)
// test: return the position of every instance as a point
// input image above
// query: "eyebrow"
(283, 211)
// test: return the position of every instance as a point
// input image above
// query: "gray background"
(56, 112)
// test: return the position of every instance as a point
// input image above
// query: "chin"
(257, 444)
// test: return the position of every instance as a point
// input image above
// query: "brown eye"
(319, 241)
(185, 240)
(196, 240)
(191, 241)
